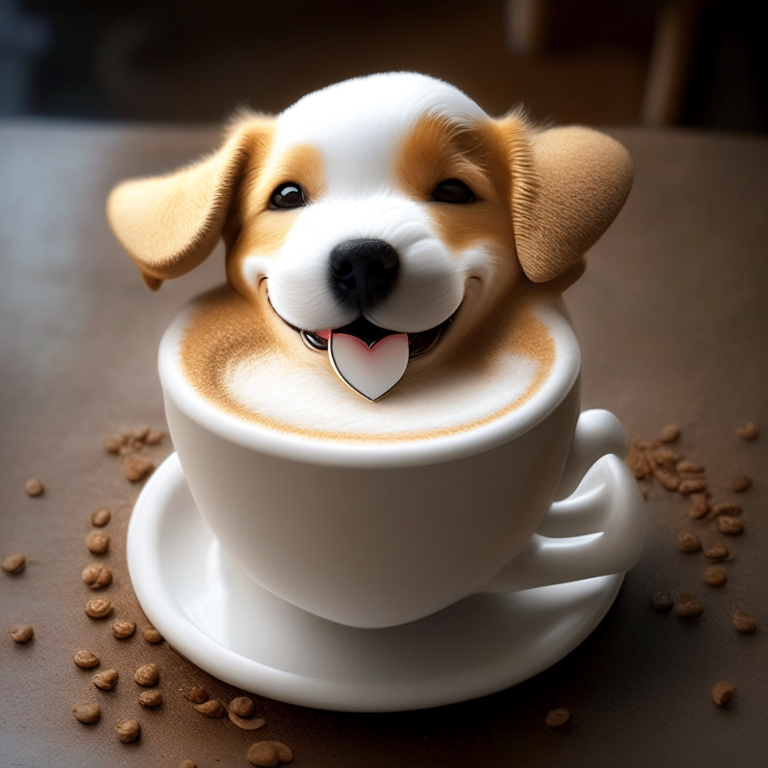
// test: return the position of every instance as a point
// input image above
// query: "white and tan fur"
(369, 152)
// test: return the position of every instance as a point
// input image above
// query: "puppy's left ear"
(568, 185)
(170, 224)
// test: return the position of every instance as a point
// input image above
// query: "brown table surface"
(672, 318)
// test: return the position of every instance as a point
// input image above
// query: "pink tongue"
(370, 372)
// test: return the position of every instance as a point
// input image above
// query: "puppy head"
(389, 201)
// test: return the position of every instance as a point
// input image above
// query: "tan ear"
(568, 185)
(170, 224)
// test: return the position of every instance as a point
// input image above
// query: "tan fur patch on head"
(259, 229)
(437, 149)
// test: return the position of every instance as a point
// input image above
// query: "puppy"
(388, 209)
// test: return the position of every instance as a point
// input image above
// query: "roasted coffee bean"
(667, 479)
(97, 576)
(731, 526)
(152, 698)
(242, 706)
(721, 692)
(693, 485)
(97, 542)
(211, 708)
(22, 633)
(246, 723)
(151, 635)
(744, 623)
(687, 605)
(688, 542)
(127, 730)
(670, 433)
(661, 601)
(147, 675)
(197, 695)
(15, 563)
(715, 577)
(136, 468)
(739, 483)
(698, 506)
(123, 629)
(34, 487)
(269, 753)
(101, 517)
(86, 713)
(557, 718)
(748, 432)
(726, 508)
(106, 680)
(86, 660)
(98, 609)
(686, 467)
(717, 553)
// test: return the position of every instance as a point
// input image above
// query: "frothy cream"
(238, 359)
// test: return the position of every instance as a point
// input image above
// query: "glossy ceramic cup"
(376, 535)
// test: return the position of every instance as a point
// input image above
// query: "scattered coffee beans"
(731, 526)
(739, 483)
(668, 479)
(197, 695)
(715, 577)
(106, 680)
(21, 634)
(688, 542)
(127, 730)
(113, 444)
(86, 713)
(151, 698)
(151, 635)
(557, 718)
(744, 623)
(86, 660)
(147, 674)
(748, 432)
(716, 553)
(698, 506)
(97, 576)
(34, 487)
(638, 463)
(101, 517)
(136, 468)
(687, 605)
(98, 543)
(661, 601)
(242, 706)
(211, 708)
(726, 508)
(123, 629)
(246, 723)
(670, 433)
(721, 692)
(14, 563)
(98, 609)
(269, 753)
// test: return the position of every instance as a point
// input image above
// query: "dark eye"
(288, 195)
(453, 191)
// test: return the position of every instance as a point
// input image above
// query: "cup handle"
(598, 529)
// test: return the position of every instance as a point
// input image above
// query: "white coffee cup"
(379, 534)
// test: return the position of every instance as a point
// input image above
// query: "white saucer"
(229, 626)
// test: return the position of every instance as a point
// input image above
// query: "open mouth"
(370, 334)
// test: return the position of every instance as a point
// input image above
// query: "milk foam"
(228, 356)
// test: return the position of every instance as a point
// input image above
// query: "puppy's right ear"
(170, 224)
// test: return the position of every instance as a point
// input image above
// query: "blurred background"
(612, 62)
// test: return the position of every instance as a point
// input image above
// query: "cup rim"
(433, 450)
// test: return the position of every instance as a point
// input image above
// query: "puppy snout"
(363, 272)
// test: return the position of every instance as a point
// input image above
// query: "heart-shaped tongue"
(370, 371)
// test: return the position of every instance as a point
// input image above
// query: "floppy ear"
(568, 185)
(170, 224)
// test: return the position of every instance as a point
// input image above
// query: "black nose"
(363, 272)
